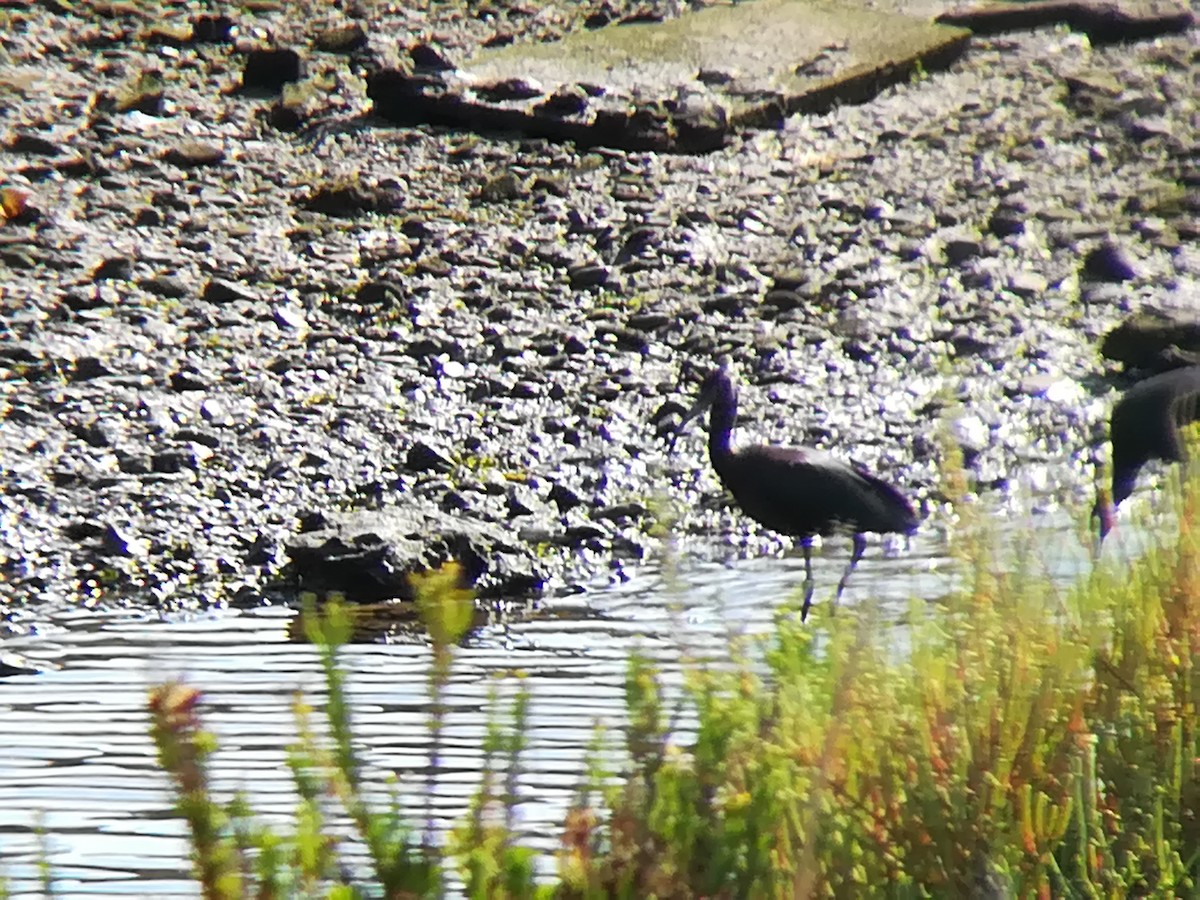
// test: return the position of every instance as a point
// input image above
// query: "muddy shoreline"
(223, 339)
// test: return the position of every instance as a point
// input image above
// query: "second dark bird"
(797, 491)
(1145, 425)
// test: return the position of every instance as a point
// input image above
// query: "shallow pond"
(75, 750)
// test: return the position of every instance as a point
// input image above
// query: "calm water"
(75, 750)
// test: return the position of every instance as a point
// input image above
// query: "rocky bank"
(256, 338)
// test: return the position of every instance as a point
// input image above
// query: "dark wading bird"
(797, 491)
(1145, 425)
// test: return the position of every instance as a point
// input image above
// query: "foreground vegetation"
(1026, 741)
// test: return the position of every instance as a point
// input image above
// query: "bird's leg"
(856, 553)
(806, 543)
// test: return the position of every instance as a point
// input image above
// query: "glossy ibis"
(797, 491)
(1145, 425)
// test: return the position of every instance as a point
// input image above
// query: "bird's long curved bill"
(698, 408)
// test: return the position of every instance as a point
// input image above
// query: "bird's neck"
(720, 426)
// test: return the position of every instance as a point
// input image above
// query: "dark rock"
(790, 279)
(1146, 128)
(218, 291)
(200, 436)
(164, 286)
(295, 108)
(83, 529)
(173, 461)
(374, 292)
(587, 275)
(341, 39)
(122, 542)
(636, 241)
(19, 258)
(22, 353)
(83, 164)
(1154, 339)
(961, 246)
(600, 18)
(414, 98)
(271, 69)
(187, 380)
(632, 511)
(574, 345)
(967, 342)
(515, 505)
(313, 521)
(346, 200)
(133, 463)
(1103, 23)
(262, 551)
(94, 434)
(430, 57)
(313, 460)
(508, 89)
(116, 267)
(1107, 262)
(453, 501)
(646, 126)
(505, 186)
(625, 338)
(570, 100)
(423, 458)
(585, 536)
(1008, 219)
(209, 29)
(147, 217)
(167, 199)
(89, 367)
(368, 556)
(26, 142)
(666, 418)
(277, 469)
(563, 497)
(549, 184)
(649, 321)
(784, 300)
(701, 127)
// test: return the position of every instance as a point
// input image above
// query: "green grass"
(1025, 740)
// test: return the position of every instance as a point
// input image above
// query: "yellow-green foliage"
(1013, 739)
(1024, 742)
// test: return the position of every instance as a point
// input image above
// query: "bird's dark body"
(797, 491)
(801, 492)
(1145, 424)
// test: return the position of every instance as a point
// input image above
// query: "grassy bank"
(1026, 741)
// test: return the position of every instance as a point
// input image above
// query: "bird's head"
(717, 387)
